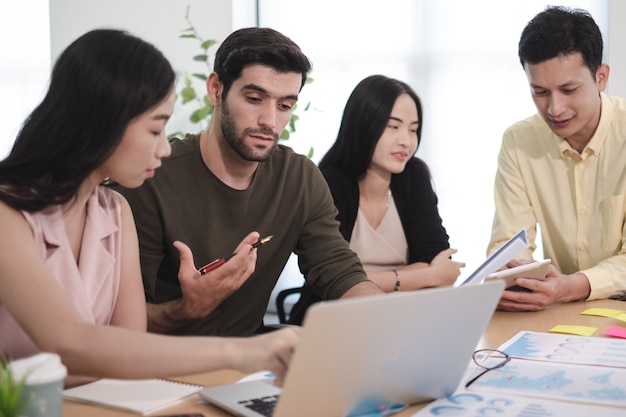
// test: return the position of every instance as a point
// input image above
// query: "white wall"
(158, 21)
(24, 63)
(616, 53)
(161, 22)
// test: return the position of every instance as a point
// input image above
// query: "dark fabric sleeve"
(147, 217)
(416, 201)
(345, 196)
(345, 192)
(324, 256)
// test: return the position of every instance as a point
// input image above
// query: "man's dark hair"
(263, 46)
(561, 31)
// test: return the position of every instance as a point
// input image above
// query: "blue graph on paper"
(565, 382)
(466, 404)
(567, 349)
(550, 375)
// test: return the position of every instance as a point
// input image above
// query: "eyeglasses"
(488, 359)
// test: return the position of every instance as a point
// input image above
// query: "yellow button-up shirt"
(578, 200)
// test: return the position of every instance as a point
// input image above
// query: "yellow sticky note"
(621, 317)
(603, 312)
(579, 330)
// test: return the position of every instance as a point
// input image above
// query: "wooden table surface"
(502, 327)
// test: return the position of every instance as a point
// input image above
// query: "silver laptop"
(373, 352)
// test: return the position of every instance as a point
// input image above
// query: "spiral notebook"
(139, 396)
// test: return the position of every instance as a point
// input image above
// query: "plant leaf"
(11, 402)
(292, 122)
(199, 76)
(206, 111)
(201, 114)
(207, 44)
(285, 135)
(176, 135)
(201, 58)
(188, 94)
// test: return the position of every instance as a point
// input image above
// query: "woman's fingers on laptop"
(283, 346)
(267, 352)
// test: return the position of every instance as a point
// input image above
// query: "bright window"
(461, 58)
(24, 63)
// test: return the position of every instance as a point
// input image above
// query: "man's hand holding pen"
(203, 293)
(221, 261)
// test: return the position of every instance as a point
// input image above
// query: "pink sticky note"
(616, 331)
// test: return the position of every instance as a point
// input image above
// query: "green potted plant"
(201, 108)
(12, 404)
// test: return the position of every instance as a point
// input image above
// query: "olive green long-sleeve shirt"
(288, 198)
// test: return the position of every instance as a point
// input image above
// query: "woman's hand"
(270, 351)
(446, 270)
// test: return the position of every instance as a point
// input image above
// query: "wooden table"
(502, 327)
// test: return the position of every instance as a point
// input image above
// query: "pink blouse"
(93, 283)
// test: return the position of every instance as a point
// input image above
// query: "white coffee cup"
(44, 376)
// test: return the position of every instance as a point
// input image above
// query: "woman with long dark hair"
(386, 202)
(70, 281)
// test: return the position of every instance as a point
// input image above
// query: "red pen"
(219, 262)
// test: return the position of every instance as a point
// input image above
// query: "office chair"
(281, 310)
(295, 315)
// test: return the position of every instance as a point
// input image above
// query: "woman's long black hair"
(364, 120)
(99, 84)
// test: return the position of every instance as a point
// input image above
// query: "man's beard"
(237, 141)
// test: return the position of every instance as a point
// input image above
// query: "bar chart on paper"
(465, 404)
(564, 382)
(561, 348)
(562, 367)
(549, 375)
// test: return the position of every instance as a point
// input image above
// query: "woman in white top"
(386, 202)
(387, 206)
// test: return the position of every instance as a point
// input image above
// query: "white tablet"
(536, 270)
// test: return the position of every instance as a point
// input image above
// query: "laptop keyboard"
(264, 406)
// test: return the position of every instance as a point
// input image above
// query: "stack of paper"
(548, 375)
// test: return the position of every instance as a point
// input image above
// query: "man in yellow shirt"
(564, 168)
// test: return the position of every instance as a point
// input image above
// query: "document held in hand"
(499, 258)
